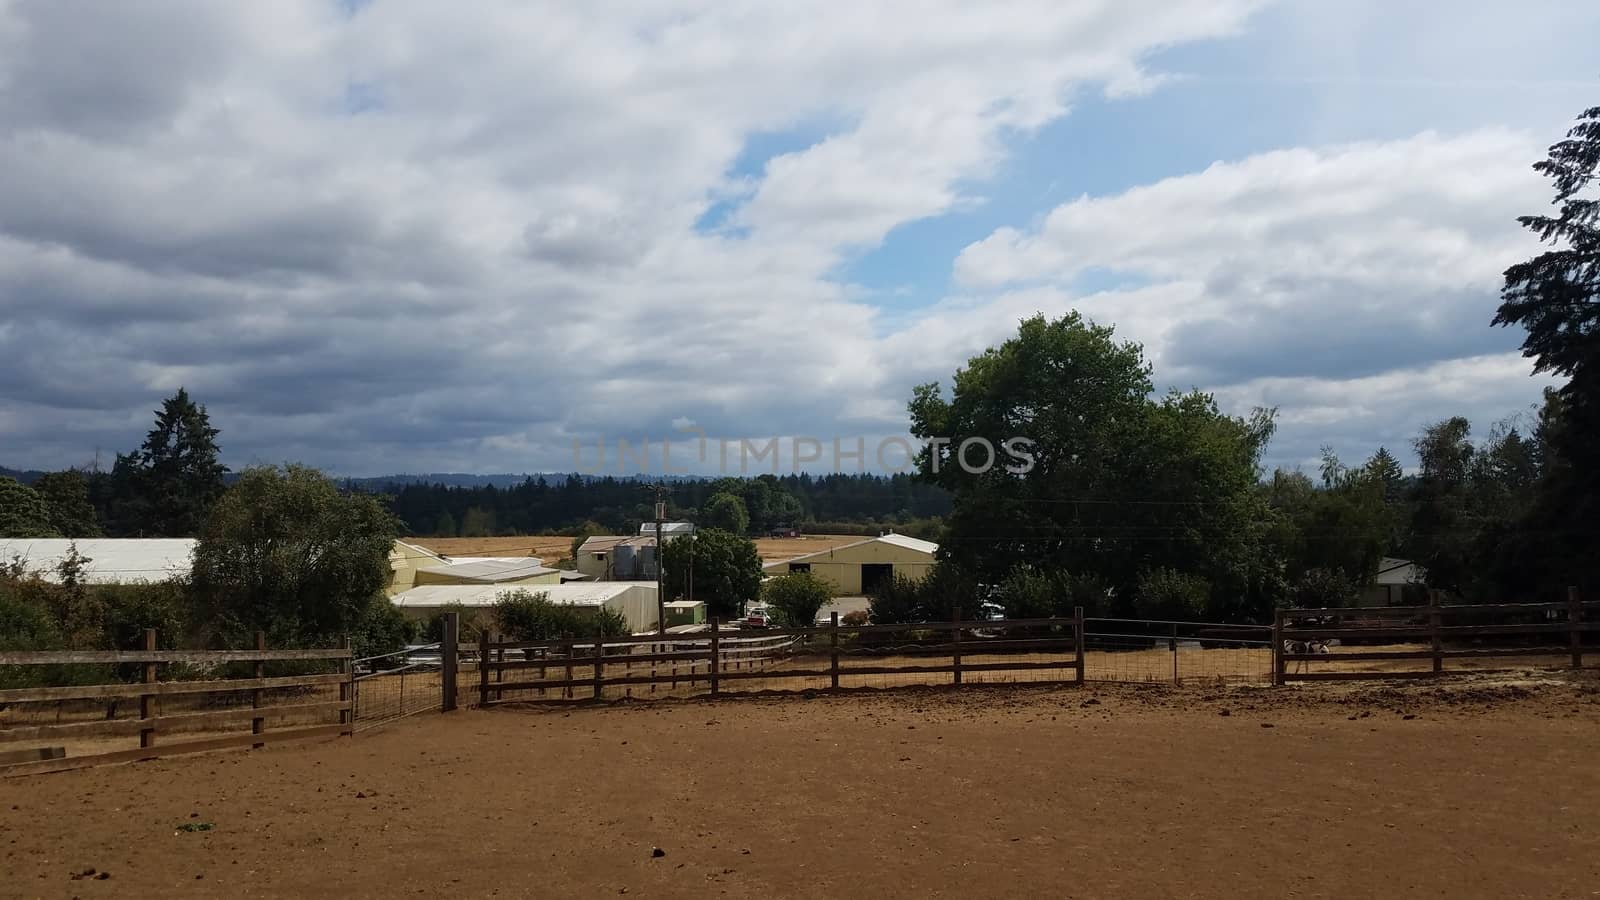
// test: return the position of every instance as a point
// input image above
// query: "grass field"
(1022, 792)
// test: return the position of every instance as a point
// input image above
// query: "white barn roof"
(470, 595)
(491, 569)
(110, 560)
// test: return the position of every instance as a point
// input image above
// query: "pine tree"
(165, 488)
(1556, 297)
(66, 497)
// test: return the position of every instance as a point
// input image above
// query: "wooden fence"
(1443, 629)
(151, 724)
(792, 658)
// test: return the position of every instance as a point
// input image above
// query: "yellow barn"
(858, 568)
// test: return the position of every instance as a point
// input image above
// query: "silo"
(622, 560)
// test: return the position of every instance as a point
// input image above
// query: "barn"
(859, 567)
(635, 600)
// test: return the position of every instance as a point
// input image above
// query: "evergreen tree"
(1556, 297)
(165, 488)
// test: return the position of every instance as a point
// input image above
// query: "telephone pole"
(661, 594)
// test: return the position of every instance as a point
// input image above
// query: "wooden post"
(567, 691)
(258, 723)
(599, 662)
(347, 692)
(499, 670)
(1434, 616)
(833, 641)
(1277, 647)
(1077, 638)
(1172, 645)
(483, 666)
(1574, 620)
(715, 649)
(955, 649)
(147, 732)
(447, 661)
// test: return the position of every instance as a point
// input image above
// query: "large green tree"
(713, 565)
(1122, 483)
(66, 497)
(23, 513)
(1555, 296)
(285, 552)
(726, 511)
(166, 487)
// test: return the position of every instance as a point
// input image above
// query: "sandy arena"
(1479, 787)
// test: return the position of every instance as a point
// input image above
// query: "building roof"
(685, 604)
(569, 575)
(490, 569)
(898, 540)
(402, 549)
(1398, 571)
(601, 542)
(476, 595)
(110, 560)
(672, 528)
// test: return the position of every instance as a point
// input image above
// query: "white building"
(108, 560)
(635, 600)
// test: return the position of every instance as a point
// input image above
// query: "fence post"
(447, 661)
(715, 650)
(1574, 626)
(258, 723)
(1434, 616)
(147, 729)
(1172, 645)
(1077, 639)
(833, 640)
(483, 666)
(1277, 646)
(347, 714)
(955, 638)
(599, 662)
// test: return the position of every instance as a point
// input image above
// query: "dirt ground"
(772, 549)
(1474, 788)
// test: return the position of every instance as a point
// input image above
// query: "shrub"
(1168, 594)
(525, 616)
(856, 617)
(796, 597)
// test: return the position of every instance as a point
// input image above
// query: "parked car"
(991, 611)
(757, 617)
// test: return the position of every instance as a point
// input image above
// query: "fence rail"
(718, 660)
(1301, 637)
(153, 722)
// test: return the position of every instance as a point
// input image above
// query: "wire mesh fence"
(1174, 652)
(395, 685)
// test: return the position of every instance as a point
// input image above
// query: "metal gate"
(1150, 651)
(395, 685)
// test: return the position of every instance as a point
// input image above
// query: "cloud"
(1337, 267)
(390, 236)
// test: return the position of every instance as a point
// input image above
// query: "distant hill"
(26, 476)
(459, 479)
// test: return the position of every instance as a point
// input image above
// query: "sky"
(382, 236)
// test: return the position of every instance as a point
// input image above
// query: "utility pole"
(661, 594)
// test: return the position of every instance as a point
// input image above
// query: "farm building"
(108, 560)
(669, 530)
(685, 612)
(635, 600)
(613, 557)
(404, 561)
(1388, 587)
(516, 570)
(859, 567)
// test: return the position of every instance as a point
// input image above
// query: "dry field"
(547, 548)
(773, 549)
(1473, 788)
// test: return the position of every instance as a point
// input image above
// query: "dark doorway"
(874, 576)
